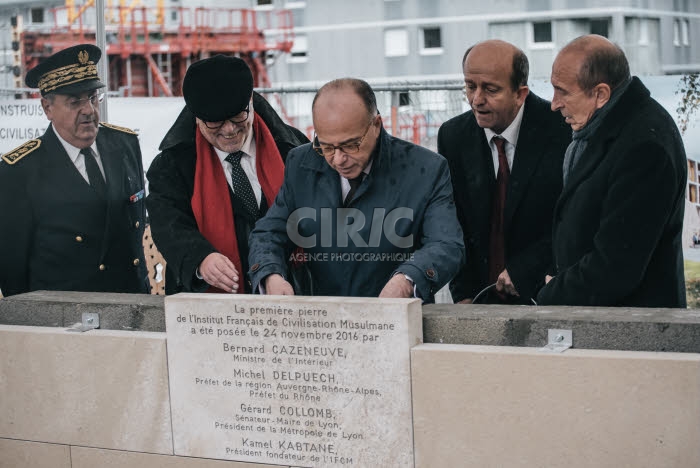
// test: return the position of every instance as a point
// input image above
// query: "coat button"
(78, 238)
(255, 267)
(137, 224)
(102, 267)
(136, 262)
(430, 273)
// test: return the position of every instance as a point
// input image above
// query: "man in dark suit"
(618, 224)
(71, 201)
(220, 168)
(505, 158)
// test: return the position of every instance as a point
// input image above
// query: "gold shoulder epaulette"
(118, 128)
(21, 151)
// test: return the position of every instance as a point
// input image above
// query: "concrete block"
(25, 454)
(102, 388)
(486, 406)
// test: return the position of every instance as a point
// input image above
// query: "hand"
(504, 285)
(397, 286)
(548, 278)
(465, 301)
(276, 285)
(218, 271)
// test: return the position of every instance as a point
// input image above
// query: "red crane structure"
(150, 48)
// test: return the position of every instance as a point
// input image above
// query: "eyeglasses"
(327, 151)
(236, 119)
(93, 99)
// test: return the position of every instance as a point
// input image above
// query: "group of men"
(516, 208)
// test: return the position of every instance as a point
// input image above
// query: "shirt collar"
(511, 133)
(248, 147)
(74, 152)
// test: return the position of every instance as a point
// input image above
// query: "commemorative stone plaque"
(300, 381)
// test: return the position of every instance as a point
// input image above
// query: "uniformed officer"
(71, 202)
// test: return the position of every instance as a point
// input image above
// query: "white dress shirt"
(78, 158)
(510, 134)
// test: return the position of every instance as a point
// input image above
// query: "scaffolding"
(150, 48)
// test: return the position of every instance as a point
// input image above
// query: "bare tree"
(689, 92)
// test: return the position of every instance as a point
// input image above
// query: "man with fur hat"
(71, 201)
(220, 168)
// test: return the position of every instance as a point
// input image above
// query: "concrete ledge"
(614, 328)
(142, 312)
(626, 329)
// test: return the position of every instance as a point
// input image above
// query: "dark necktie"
(97, 181)
(241, 185)
(497, 254)
(354, 185)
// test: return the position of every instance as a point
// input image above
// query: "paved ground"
(692, 254)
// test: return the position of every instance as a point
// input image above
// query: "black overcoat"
(171, 186)
(619, 220)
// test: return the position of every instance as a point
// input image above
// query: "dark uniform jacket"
(171, 186)
(409, 223)
(619, 220)
(57, 234)
(533, 187)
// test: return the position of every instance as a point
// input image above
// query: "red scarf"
(212, 209)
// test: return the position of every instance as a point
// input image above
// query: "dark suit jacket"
(619, 221)
(534, 185)
(57, 234)
(171, 186)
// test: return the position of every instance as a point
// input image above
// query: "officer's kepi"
(70, 71)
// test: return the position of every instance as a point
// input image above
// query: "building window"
(600, 27)
(263, 4)
(677, 33)
(542, 32)
(37, 15)
(685, 33)
(431, 41)
(643, 31)
(299, 50)
(395, 43)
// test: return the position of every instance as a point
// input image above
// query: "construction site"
(150, 48)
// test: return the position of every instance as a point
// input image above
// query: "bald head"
(352, 85)
(601, 61)
(506, 52)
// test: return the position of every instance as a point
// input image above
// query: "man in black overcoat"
(220, 167)
(72, 201)
(619, 221)
(508, 239)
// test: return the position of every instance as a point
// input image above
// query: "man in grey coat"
(374, 214)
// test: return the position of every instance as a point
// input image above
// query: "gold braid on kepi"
(66, 76)
(70, 71)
